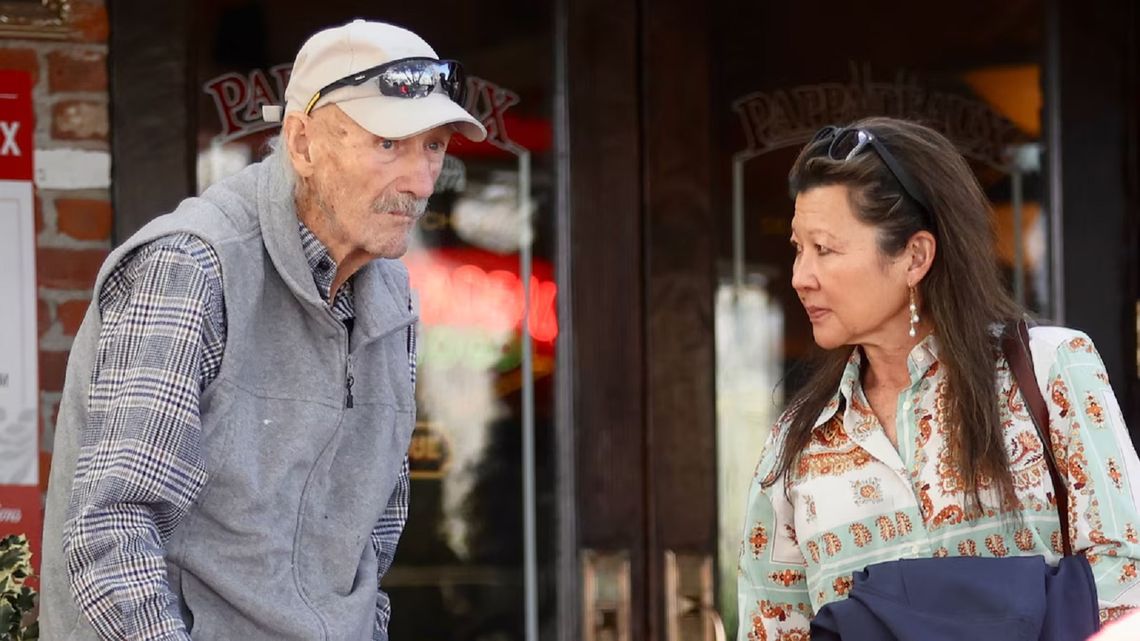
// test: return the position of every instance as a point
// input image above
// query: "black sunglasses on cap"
(406, 78)
(847, 143)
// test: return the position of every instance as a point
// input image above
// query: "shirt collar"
(320, 262)
(921, 358)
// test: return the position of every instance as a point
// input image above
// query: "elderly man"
(230, 451)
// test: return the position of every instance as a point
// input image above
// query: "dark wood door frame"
(152, 140)
(639, 256)
(679, 262)
(604, 296)
(1092, 149)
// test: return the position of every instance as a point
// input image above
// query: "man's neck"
(345, 268)
(348, 259)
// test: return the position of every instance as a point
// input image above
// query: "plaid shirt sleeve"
(385, 537)
(140, 464)
(386, 534)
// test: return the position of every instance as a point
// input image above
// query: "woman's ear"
(920, 250)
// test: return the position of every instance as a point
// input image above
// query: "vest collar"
(380, 287)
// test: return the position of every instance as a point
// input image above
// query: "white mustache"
(406, 204)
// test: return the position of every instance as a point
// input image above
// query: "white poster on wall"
(19, 334)
(19, 380)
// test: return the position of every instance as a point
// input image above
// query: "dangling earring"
(913, 315)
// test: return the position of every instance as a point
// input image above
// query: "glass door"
(781, 72)
(473, 560)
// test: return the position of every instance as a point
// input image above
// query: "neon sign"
(463, 294)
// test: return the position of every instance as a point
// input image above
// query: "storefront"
(607, 326)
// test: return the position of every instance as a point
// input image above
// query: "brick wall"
(73, 203)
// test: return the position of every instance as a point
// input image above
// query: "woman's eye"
(387, 144)
(821, 250)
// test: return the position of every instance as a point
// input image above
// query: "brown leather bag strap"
(1015, 344)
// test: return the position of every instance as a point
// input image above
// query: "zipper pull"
(348, 385)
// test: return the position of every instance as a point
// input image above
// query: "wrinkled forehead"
(823, 205)
(330, 120)
(828, 210)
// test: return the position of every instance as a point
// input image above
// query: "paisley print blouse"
(854, 499)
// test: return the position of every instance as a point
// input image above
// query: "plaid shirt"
(140, 465)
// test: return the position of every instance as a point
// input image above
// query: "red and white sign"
(19, 380)
(465, 287)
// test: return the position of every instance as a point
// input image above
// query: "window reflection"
(780, 74)
(459, 569)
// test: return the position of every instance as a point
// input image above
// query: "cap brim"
(397, 118)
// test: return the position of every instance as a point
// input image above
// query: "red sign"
(20, 513)
(238, 99)
(17, 125)
(19, 503)
(474, 288)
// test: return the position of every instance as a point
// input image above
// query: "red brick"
(53, 369)
(68, 268)
(43, 316)
(71, 315)
(45, 469)
(79, 120)
(77, 71)
(89, 20)
(49, 410)
(39, 207)
(84, 219)
(21, 59)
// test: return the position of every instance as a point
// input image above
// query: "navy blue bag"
(965, 599)
(970, 598)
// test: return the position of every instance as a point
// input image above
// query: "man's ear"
(297, 134)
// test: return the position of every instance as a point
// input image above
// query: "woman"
(910, 440)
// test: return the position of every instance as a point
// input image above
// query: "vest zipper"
(348, 383)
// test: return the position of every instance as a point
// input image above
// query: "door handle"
(714, 619)
(605, 595)
(690, 612)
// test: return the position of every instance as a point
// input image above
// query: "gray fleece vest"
(277, 545)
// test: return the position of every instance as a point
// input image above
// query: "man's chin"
(390, 248)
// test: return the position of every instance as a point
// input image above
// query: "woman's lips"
(816, 314)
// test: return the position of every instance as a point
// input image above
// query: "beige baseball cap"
(339, 52)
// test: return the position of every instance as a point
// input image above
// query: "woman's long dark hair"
(962, 294)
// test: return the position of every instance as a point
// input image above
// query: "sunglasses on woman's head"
(848, 142)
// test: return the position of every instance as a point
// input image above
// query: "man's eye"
(388, 144)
